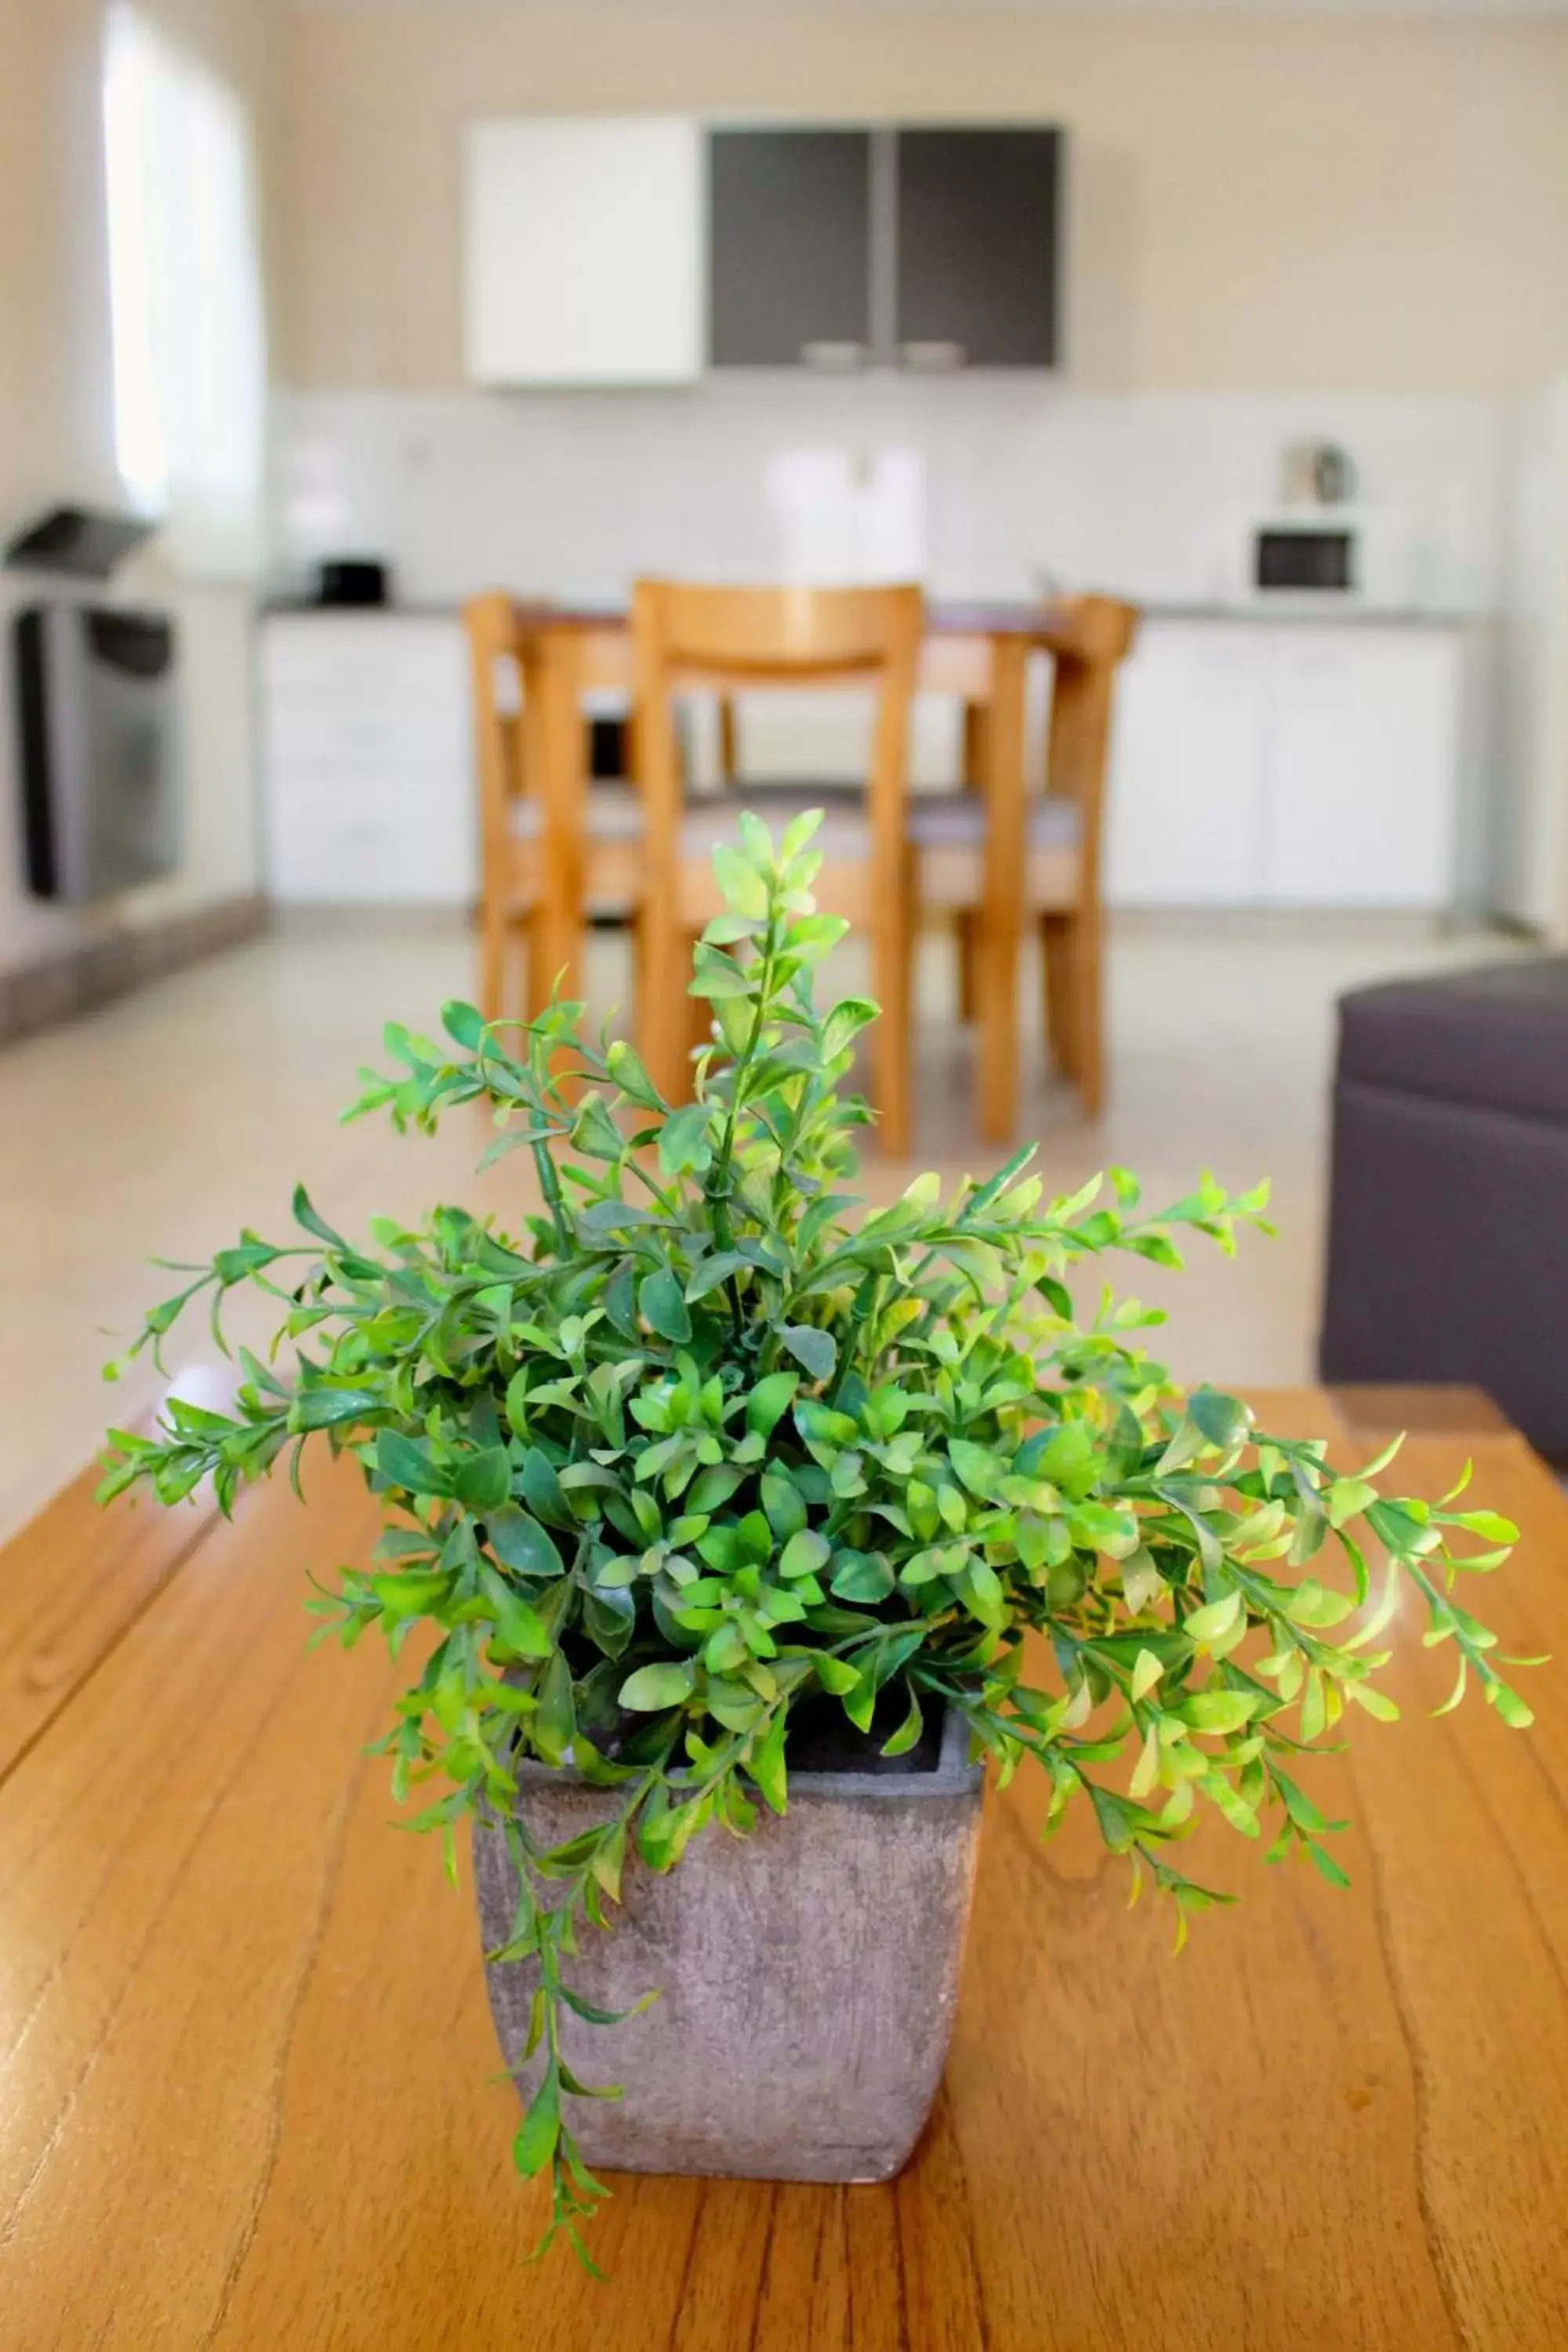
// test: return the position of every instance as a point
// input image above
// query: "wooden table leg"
(1002, 906)
(558, 745)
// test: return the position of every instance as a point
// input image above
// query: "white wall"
(977, 483)
(57, 432)
(1343, 200)
(1529, 849)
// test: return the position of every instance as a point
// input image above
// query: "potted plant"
(738, 1529)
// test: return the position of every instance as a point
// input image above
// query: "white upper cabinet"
(585, 251)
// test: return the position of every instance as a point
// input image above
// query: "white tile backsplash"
(985, 486)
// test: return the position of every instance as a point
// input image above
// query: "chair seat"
(957, 821)
(614, 814)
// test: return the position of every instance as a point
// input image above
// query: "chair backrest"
(1089, 637)
(491, 625)
(686, 634)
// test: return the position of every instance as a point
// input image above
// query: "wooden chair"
(960, 869)
(536, 859)
(718, 640)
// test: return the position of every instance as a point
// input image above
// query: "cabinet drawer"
(341, 839)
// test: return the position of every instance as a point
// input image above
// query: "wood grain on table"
(248, 2082)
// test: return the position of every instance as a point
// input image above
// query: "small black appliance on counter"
(1309, 558)
(355, 582)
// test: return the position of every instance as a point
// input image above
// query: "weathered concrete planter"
(808, 1975)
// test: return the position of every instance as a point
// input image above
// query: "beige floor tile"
(163, 1123)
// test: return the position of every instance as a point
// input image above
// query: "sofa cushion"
(1496, 1038)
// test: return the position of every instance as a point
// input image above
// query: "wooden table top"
(248, 2083)
(1097, 627)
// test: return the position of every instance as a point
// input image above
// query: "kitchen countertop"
(1287, 610)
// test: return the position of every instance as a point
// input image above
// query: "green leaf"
(626, 1072)
(711, 1271)
(848, 1018)
(484, 1480)
(766, 1763)
(1325, 1864)
(401, 1462)
(684, 1142)
(1489, 1525)
(770, 1401)
(1314, 1604)
(663, 1306)
(863, 1576)
(541, 2129)
(520, 1543)
(1095, 1527)
(805, 1553)
(652, 1688)
(464, 1024)
(1347, 1500)
(1146, 1672)
(1376, 1703)
(554, 1721)
(783, 1504)
(743, 890)
(1212, 1622)
(1224, 1419)
(908, 1731)
(306, 1215)
(1219, 1711)
(976, 1466)
(814, 1349)
(519, 1628)
(1510, 1707)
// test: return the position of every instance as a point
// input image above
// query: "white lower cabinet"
(1254, 764)
(1362, 769)
(1182, 813)
(368, 759)
(1271, 764)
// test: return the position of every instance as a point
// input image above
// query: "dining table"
(976, 654)
(250, 2099)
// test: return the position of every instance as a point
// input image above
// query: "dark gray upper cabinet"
(789, 247)
(975, 278)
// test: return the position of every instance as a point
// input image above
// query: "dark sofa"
(1447, 1256)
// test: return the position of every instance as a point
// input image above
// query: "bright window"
(190, 369)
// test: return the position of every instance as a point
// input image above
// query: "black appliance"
(97, 719)
(1314, 558)
(357, 582)
(78, 541)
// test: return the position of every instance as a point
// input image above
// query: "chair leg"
(892, 953)
(535, 979)
(661, 1015)
(1089, 1051)
(997, 1015)
(492, 958)
(1059, 974)
(637, 941)
(964, 925)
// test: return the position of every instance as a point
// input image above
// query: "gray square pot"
(808, 1975)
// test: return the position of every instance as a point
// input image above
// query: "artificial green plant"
(703, 1440)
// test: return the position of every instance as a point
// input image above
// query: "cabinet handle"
(932, 358)
(834, 359)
